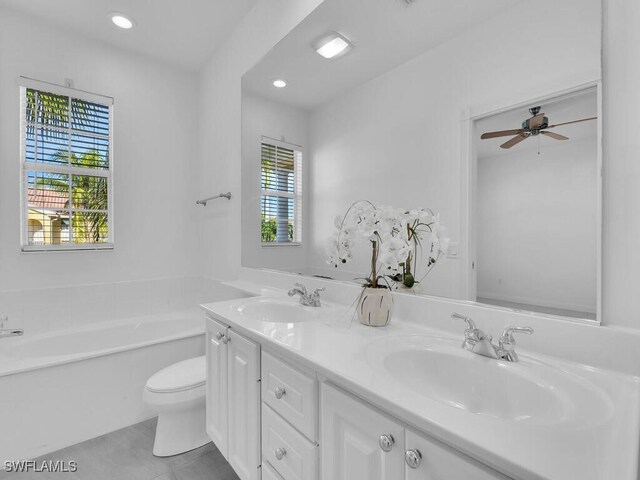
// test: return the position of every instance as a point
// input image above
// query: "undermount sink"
(528, 391)
(281, 311)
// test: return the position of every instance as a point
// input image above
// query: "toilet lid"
(179, 376)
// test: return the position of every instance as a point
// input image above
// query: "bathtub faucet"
(11, 332)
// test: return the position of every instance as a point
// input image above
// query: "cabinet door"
(217, 385)
(350, 441)
(440, 462)
(244, 406)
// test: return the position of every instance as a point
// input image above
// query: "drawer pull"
(280, 453)
(386, 442)
(225, 339)
(279, 392)
(413, 458)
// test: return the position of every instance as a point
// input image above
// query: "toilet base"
(180, 431)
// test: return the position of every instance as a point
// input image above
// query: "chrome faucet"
(9, 332)
(308, 300)
(476, 341)
(507, 343)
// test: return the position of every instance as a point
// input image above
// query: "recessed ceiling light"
(279, 83)
(121, 20)
(333, 45)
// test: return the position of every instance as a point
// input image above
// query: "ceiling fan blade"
(574, 121)
(536, 121)
(515, 140)
(501, 133)
(554, 135)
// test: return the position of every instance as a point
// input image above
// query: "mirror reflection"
(386, 101)
(536, 211)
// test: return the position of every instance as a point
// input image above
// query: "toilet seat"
(186, 375)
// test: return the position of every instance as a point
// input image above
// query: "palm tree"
(88, 192)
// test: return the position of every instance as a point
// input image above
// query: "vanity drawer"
(298, 456)
(268, 473)
(298, 394)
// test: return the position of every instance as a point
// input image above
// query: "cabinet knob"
(280, 452)
(225, 339)
(279, 392)
(413, 458)
(219, 335)
(386, 442)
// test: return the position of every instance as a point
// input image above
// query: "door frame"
(468, 188)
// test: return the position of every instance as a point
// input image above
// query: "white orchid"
(396, 237)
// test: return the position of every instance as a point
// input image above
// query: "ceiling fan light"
(333, 45)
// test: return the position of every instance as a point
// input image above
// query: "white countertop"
(340, 349)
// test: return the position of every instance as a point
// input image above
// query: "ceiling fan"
(537, 124)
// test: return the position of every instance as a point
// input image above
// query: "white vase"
(375, 307)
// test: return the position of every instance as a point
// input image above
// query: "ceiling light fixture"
(279, 83)
(121, 20)
(333, 45)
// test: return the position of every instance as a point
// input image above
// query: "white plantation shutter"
(66, 157)
(281, 200)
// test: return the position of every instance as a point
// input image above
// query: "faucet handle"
(301, 287)
(507, 334)
(470, 323)
(317, 291)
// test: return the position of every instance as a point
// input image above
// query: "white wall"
(155, 146)
(398, 139)
(621, 176)
(219, 224)
(536, 217)
(262, 117)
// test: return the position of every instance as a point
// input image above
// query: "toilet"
(177, 393)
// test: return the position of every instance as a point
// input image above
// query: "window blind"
(281, 200)
(66, 169)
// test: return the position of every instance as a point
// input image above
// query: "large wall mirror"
(397, 118)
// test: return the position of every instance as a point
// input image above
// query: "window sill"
(66, 248)
(283, 244)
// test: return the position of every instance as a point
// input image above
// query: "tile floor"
(126, 455)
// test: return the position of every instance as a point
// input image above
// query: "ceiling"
(386, 34)
(184, 32)
(564, 109)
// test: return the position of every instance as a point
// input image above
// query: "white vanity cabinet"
(351, 435)
(289, 421)
(361, 443)
(233, 398)
(428, 459)
(275, 419)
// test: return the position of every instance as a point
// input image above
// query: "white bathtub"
(18, 354)
(64, 387)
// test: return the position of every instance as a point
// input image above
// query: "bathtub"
(60, 388)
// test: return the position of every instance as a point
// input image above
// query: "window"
(281, 200)
(66, 141)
